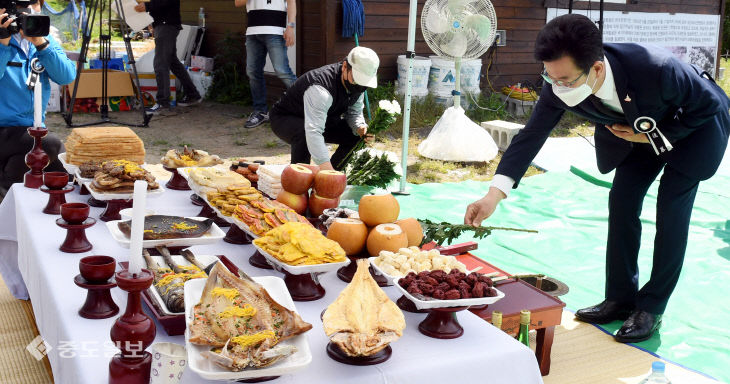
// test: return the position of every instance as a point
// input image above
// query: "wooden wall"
(320, 42)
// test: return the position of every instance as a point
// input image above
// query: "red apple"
(317, 204)
(312, 167)
(296, 202)
(330, 184)
(296, 179)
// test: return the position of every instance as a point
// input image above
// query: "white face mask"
(574, 96)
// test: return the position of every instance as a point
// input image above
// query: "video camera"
(19, 11)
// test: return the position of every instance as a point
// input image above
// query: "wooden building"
(319, 26)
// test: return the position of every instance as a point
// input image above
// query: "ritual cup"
(55, 180)
(97, 269)
(74, 213)
(168, 363)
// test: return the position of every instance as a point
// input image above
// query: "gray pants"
(166, 61)
(14, 144)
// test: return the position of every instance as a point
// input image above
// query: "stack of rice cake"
(103, 143)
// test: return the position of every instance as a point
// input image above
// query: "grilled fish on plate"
(241, 323)
(158, 227)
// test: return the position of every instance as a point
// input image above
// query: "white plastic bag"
(456, 138)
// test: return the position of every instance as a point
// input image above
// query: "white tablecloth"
(81, 348)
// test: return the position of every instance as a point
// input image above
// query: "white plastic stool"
(502, 131)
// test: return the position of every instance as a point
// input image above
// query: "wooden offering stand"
(345, 273)
(303, 287)
(76, 241)
(113, 207)
(133, 332)
(196, 200)
(95, 274)
(94, 202)
(441, 323)
(208, 212)
(405, 304)
(336, 354)
(99, 303)
(236, 236)
(56, 197)
(259, 261)
(37, 159)
(176, 182)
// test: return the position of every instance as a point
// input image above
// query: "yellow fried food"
(300, 244)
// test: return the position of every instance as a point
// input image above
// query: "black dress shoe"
(605, 312)
(638, 327)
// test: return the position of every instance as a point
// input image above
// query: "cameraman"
(16, 100)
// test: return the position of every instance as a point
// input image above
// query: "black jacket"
(164, 12)
(691, 111)
(329, 77)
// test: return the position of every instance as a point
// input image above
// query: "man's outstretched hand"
(481, 209)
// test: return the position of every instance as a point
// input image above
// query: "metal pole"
(410, 53)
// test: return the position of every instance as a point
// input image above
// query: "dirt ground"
(218, 129)
(212, 127)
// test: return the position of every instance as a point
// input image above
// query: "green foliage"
(492, 101)
(369, 170)
(446, 232)
(230, 85)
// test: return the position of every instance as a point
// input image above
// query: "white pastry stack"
(270, 179)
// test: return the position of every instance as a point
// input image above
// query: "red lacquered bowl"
(75, 213)
(97, 269)
(55, 180)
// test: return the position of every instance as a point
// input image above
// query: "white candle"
(137, 231)
(38, 104)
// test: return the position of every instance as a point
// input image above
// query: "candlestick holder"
(37, 159)
(56, 197)
(132, 333)
(176, 182)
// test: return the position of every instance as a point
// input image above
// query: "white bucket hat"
(364, 63)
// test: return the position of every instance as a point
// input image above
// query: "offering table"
(31, 264)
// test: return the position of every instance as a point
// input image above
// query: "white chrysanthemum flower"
(395, 107)
(384, 105)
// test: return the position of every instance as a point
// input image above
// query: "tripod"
(97, 6)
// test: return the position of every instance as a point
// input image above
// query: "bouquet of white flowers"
(385, 115)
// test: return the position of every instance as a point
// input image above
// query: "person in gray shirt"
(325, 106)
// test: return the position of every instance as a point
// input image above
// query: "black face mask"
(355, 88)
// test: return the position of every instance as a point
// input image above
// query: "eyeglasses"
(561, 83)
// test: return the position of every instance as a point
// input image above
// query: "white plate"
(179, 260)
(70, 168)
(213, 235)
(105, 196)
(390, 278)
(206, 369)
(428, 304)
(302, 269)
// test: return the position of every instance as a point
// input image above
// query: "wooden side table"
(546, 310)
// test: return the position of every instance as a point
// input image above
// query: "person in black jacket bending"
(167, 25)
(310, 113)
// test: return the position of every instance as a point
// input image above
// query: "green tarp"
(570, 212)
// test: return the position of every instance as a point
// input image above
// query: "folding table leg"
(543, 348)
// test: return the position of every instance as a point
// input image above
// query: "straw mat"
(17, 365)
(583, 354)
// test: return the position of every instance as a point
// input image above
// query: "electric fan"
(457, 30)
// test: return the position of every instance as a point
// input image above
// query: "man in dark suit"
(652, 112)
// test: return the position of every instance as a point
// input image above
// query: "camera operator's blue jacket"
(16, 100)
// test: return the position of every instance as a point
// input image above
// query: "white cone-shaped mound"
(456, 138)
